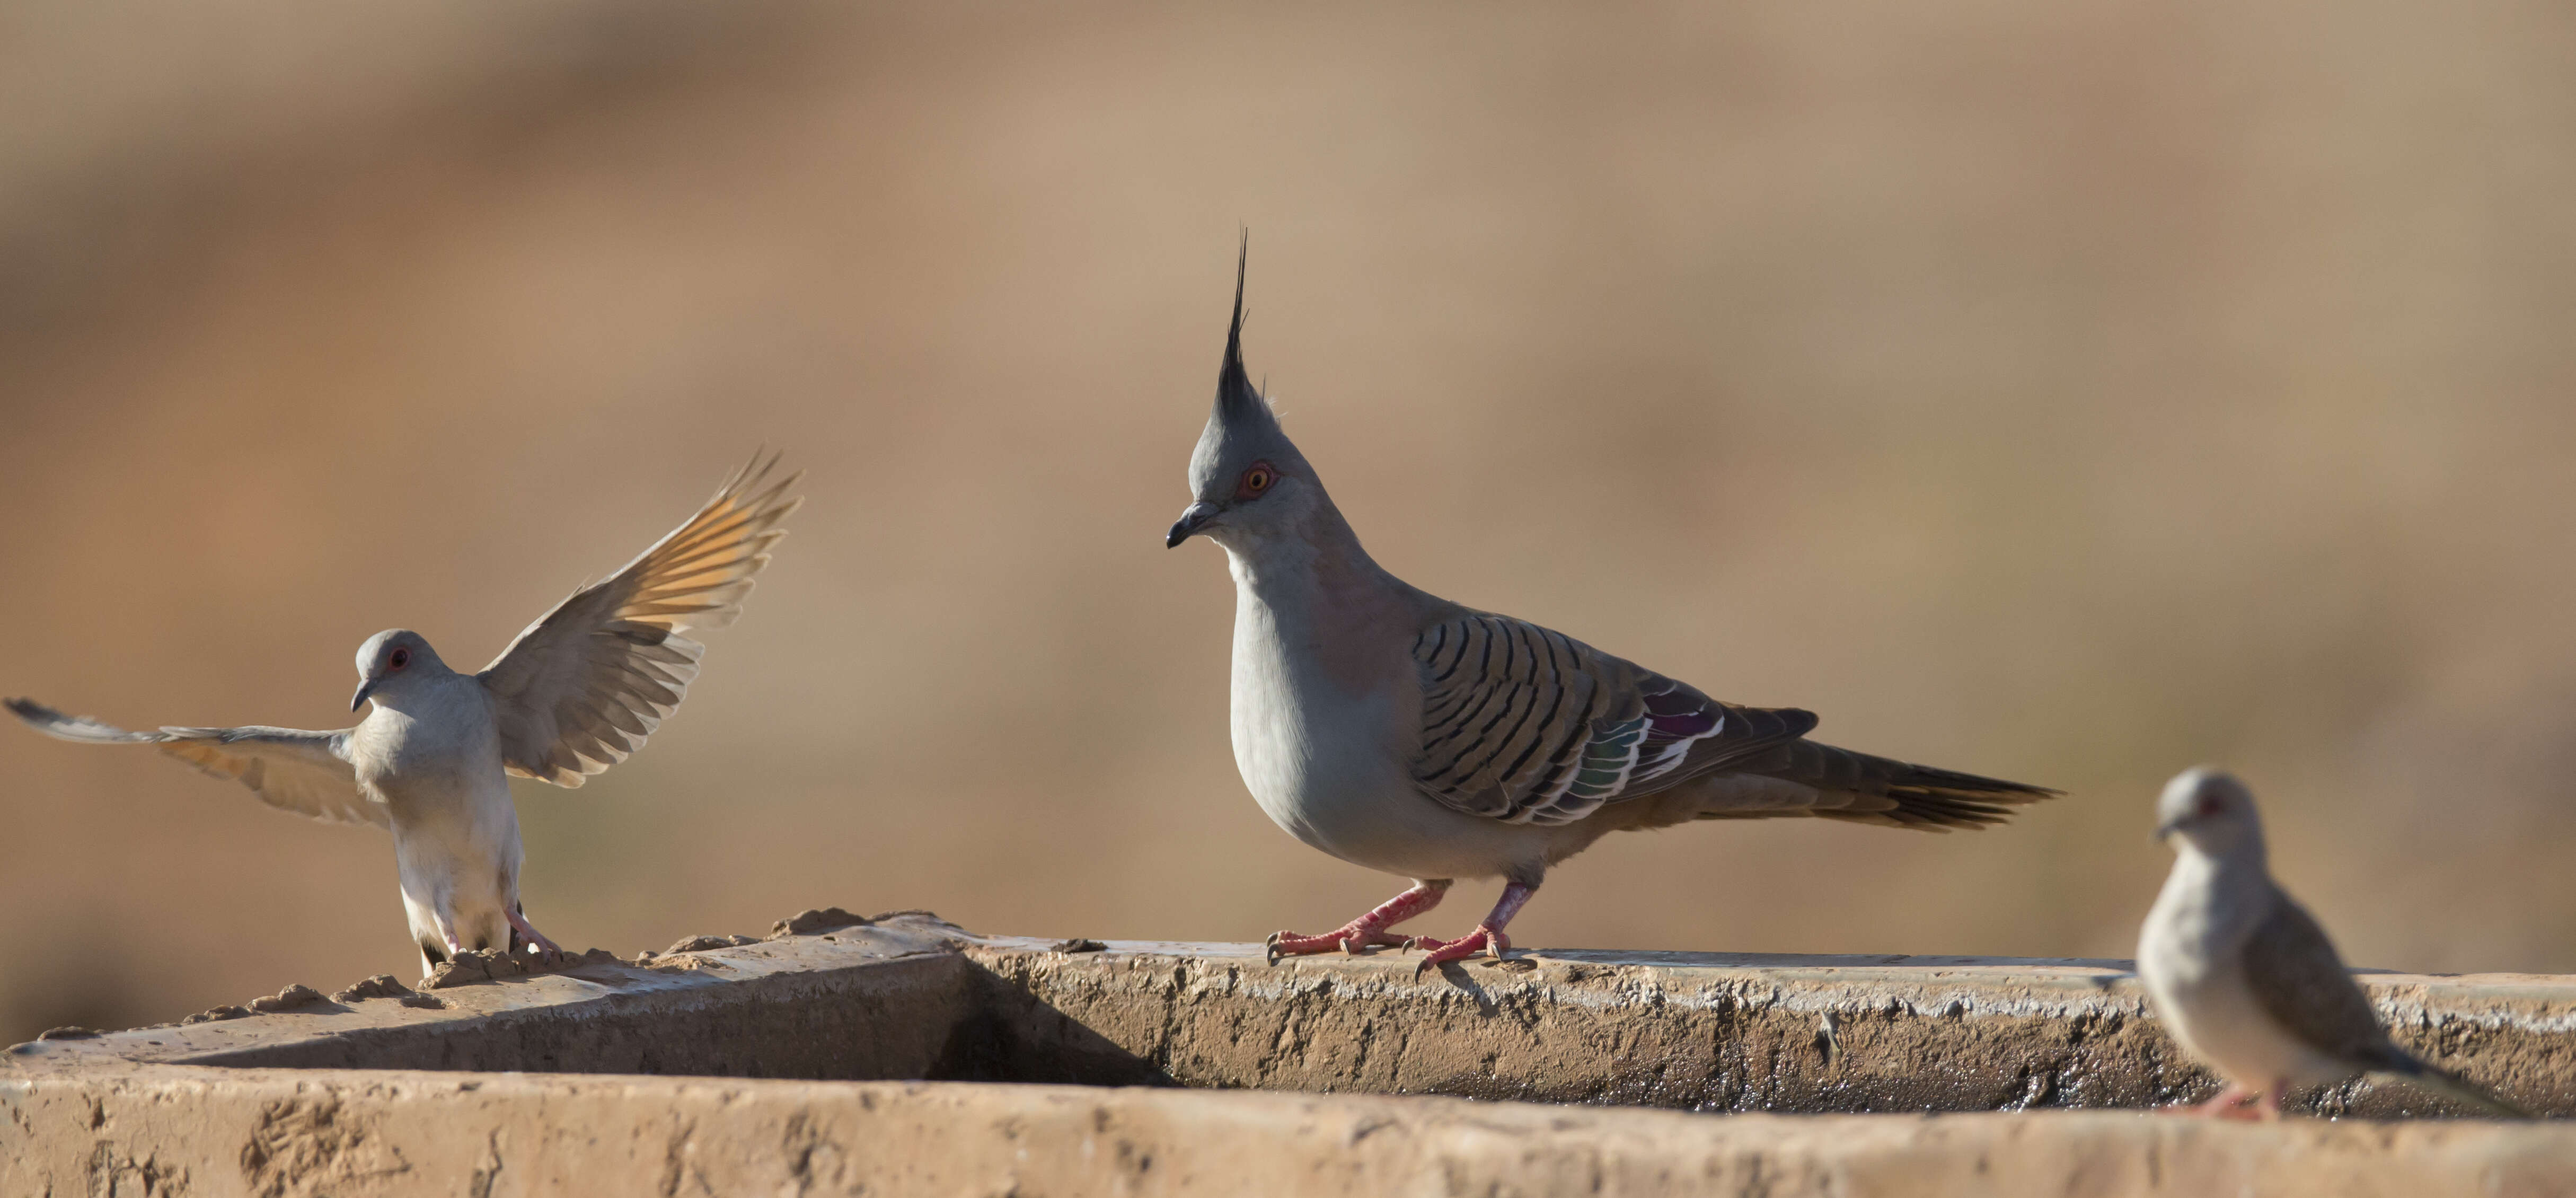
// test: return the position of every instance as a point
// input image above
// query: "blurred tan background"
(2071, 393)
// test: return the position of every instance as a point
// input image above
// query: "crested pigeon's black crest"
(1242, 430)
(1236, 398)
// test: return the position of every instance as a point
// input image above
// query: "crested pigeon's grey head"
(1245, 475)
(391, 662)
(2211, 811)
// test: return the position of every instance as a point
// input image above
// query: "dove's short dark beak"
(364, 689)
(1191, 521)
(2165, 830)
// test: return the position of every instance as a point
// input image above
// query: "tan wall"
(2066, 394)
(502, 1136)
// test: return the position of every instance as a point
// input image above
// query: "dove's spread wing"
(583, 686)
(2297, 979)
(304, 772)
(1527, 725)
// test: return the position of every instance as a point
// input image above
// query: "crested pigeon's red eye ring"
(1259, 478)
(398, 658)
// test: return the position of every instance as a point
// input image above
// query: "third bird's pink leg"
(1488, 935)
(2270, 1106)
(1367, 930)
(546, 949)
(2221, 1105)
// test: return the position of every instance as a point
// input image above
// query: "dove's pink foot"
(1487, 936)
(2229, 1103)
(434, 953)
(2270, 1106)
(1368, 930)
(547, 950)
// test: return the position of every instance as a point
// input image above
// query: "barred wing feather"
(1527, 725)
(582, 688)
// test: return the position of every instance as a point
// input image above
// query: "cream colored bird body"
(2244, 978)
(433, 760)
(1403, 732)
(577, 691)
(2191, 955)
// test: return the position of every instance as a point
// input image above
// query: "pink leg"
(547, 950)
(1488, 935)
(1367, 930)
(2270, 1105)
(2222, 1105)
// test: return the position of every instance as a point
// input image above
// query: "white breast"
(1329, 766)
(436, 763)
(1305, 751)
(2191, 957)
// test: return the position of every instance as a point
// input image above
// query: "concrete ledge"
(1713, 1032)
(629, 1077)
(269, 1132)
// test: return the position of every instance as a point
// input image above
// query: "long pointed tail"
(1896, 793)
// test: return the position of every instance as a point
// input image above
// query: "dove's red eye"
(1256, 480)
(400, 658)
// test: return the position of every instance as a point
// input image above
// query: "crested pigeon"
(1402, 732)
(2242, 975)
(578, 691)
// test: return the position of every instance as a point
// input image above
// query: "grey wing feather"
(582, 688)
(2299, 980)
(290, 769)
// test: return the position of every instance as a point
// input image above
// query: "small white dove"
(1402, 732)
(577, 692)
(2245, 979)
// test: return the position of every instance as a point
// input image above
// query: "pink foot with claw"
(1368, 931)
(1488, 935)
(2270, 1105)
(1443, 952)
(547, 950)
(1349, 939)
(2229, 1103)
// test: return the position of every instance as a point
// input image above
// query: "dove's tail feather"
(2455, 1088)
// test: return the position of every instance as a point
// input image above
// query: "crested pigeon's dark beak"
(364, 689)
(1191, 521)
(2165, 830)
